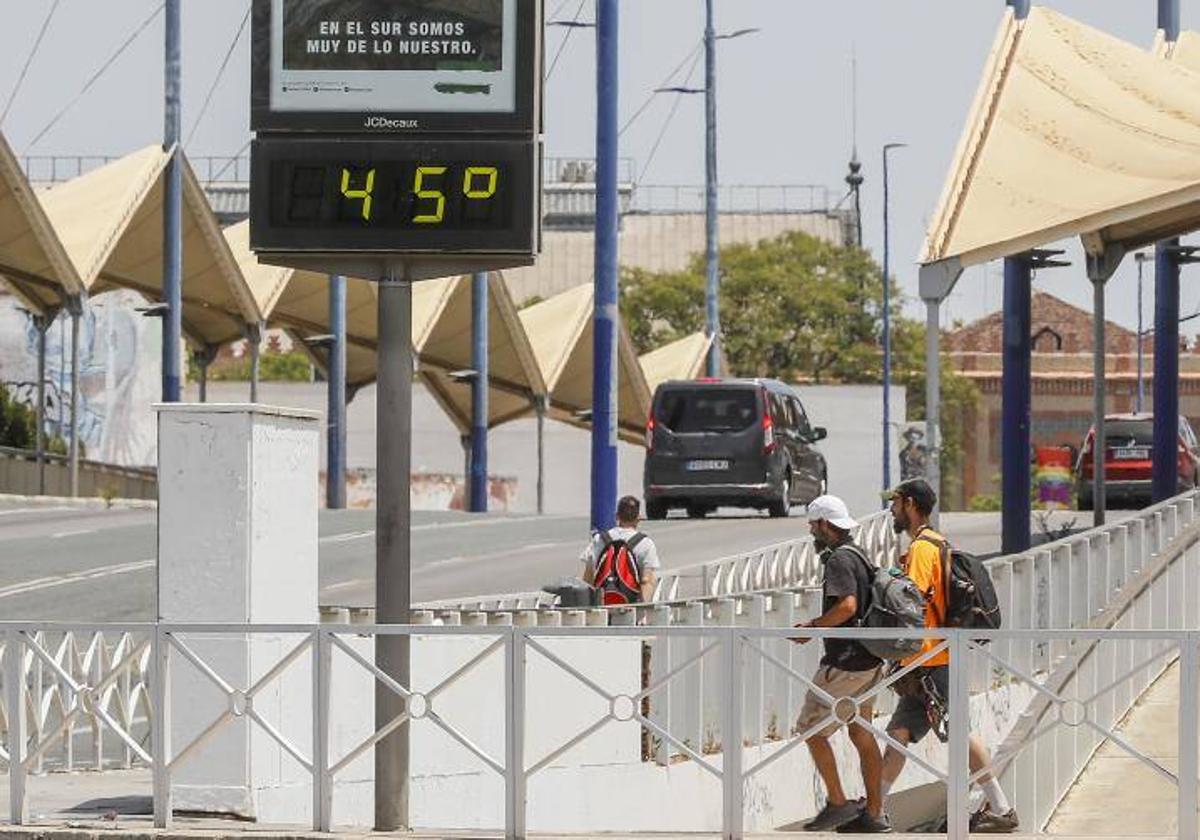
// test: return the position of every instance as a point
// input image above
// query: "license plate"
(1131, 453)
(706, 466)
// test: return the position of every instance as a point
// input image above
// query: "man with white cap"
(847, 672)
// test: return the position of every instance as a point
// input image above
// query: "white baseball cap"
(833, 510)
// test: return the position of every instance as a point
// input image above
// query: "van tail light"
(768, 433)
(650, 433)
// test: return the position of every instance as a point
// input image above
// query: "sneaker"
(864, 823)
(833, 817)
(985, 821)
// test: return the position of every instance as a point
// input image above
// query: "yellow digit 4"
(364, 194)
(419, 188)
(490, 172)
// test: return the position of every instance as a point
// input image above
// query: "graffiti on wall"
(119, 352)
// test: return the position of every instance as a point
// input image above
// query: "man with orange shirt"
(912, 504)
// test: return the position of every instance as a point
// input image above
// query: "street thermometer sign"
(396, 138)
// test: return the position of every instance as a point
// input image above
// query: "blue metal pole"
(1015, 407)
(1165, 476)
(479, 393)
(887, 327)
(604, 376)
(712, 245)
(335, 473)
(1020, 8)
(172, 209)
(1168, 18)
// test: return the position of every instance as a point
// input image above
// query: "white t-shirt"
(645, 552)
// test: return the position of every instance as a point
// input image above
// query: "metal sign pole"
(711, 235)
(172, 209)
(335, 471)
(393, 594)
(477, 490)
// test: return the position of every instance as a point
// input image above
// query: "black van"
(730, 443)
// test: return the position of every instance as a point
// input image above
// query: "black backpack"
(971, 600)
(896, 602)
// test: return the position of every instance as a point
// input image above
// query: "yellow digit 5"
(437, 195)
(490, 172)
(364, 194)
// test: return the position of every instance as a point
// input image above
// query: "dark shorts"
(911, 713)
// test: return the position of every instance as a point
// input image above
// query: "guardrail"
(1087, 707)
(791, 564)
(20, 474)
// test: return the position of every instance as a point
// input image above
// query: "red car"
(1127, 460)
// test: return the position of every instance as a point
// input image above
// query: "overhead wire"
(667, 122)
(653, 94)
(29, 60)
(231, 161)
(217, 81)
(566, 39)
(96, 76)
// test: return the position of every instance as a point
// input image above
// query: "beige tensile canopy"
(560, 330)
(682, 359)
(33, 260)
(442, 338)
(298, 301)
(110, 221)
(1073, 133)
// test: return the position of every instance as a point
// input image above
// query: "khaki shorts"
(837, 684)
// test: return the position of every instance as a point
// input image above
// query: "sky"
(783, 98)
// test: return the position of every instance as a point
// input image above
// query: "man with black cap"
(913, 502)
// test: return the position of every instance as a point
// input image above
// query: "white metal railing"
(790, 564)
(1084, 708)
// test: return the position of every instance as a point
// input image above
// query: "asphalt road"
(59, 564)
(63, 564)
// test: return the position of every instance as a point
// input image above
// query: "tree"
(795, 307)
(18, 426)
(803, 310)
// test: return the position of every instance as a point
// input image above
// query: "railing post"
(160, 704)
(322, 784)
(1189, 686)
(731, 747)
(958, 770)
(514, 735)
(13, 683)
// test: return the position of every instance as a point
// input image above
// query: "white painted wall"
(238, 544)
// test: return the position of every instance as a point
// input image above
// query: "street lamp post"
(887, 325)
(712, 245)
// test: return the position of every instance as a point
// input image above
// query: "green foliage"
(802, 310)
(985, 503)
(794, 307)
(273, 367)
(18, 426)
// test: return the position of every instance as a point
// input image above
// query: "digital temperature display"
(395, 195)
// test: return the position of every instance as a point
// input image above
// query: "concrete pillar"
(237, 544)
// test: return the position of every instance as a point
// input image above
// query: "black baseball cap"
(918, 490)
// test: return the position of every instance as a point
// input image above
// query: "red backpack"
(618, 577)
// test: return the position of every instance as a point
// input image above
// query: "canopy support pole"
(477, 486)
(203, 358)
(335, 421)
(75, 308)
(1169, 257)
(254, 337)
(936, 282)
(1102, 263)
(41, 323)
(540, 405)
(1016, 405)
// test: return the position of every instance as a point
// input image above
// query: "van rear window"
(708, 410)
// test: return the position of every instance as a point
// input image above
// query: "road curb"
(116, 832)
(81, 503)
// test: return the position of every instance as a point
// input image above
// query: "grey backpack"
(896, 602)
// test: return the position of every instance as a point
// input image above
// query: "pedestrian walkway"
(1117, 791)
